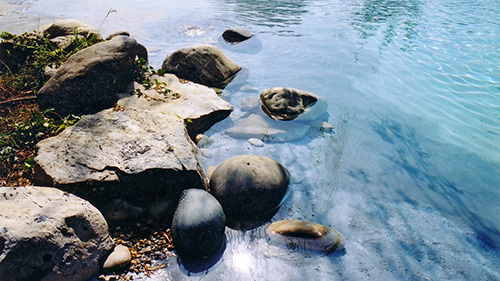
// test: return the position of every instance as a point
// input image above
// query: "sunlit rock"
(305, 235)
(236, 35)
(48, 234)
(118, 259)
(250, 189)
(90, 79)
(204, 64)
(288, 104)
(199, 106)
(136, 156)
(63, 32)
(198, 225)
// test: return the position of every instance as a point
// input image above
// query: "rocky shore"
(130, 164)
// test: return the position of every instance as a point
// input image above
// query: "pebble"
(205, 153)
(256, 142)
(118, 259)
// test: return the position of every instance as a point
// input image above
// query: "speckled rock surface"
(48, 234)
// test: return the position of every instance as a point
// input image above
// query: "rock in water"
(118, 259)
(47, 234)
(250, 189)
(305, 235)
(287, 104)
(139, 157)
(203, 64)
(90, 79)
(198, 225)
(236, 35)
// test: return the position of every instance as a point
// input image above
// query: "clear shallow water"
(411, 176)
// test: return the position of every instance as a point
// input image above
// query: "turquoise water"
(411, 176)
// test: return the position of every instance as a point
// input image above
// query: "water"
(411, 176)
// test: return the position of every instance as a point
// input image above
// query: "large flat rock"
(138, 157)
(198, 105)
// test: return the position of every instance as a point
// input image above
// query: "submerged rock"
(90, 79)
(47, 234)
(288, 104)
(139, 157)
(305, 235)
(203, 64)
(198, 225)
(236, 35)
(250, 189)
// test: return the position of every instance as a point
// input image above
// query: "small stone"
(205, 153)
(118, 259)
(256, 142)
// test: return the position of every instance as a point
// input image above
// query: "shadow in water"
(194, 267)
(453, 194)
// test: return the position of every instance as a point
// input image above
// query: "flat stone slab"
(198, 105)
(138, 156)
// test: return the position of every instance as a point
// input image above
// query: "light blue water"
(411, 176)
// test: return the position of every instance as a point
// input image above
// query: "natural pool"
(411, 176)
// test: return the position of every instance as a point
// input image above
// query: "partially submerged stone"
(236, 35)
(90, 79)
(48, 234)
(136, 156)
(203, 64)
(198, 225)
(268, 130)
(250, 189)
(198, 105)
(299, 234)
(288, 104)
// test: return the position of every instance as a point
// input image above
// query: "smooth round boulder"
(284, 104)
(198, 226)
(236, 35)
(299, 234)
(250, 189)
(118, 259)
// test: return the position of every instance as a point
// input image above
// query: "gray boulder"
(89, 80)
(199, 106)
(203, 64)
(140, 157)
(250, 189)
(288, 104)
(198, 225)
(62, 32)
(47, 234)
(236, 35)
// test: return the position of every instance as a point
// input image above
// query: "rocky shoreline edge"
(130, 164)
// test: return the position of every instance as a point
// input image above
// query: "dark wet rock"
(118, 259)
(47, 234)
(236, 35)
(299, 234)
(203, 64)
(287, 104)
(198, 225)
(199, 106)
(89, 80)
(250, 189)
(139, 157)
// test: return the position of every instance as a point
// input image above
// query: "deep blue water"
(411, 176)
